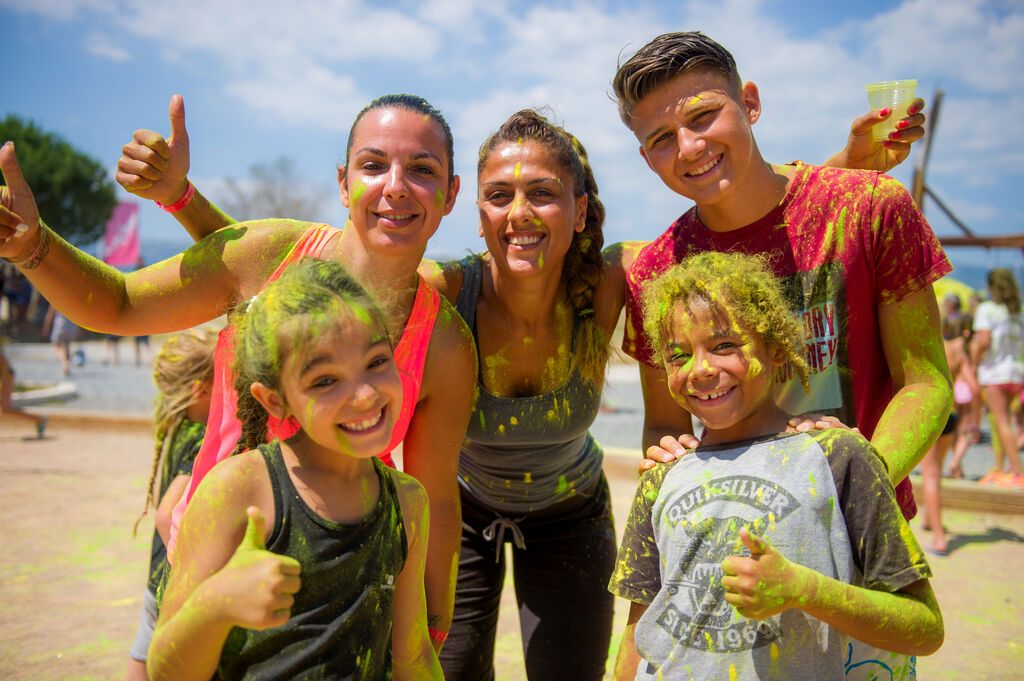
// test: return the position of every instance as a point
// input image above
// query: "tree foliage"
(272, 190)
(74, 192)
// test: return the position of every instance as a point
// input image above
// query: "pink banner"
(121, 240)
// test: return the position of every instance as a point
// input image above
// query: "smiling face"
(721, 373)
(695, 133)
(396, 184)
(344, 388)
(528, 208)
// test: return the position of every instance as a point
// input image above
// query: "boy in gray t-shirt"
(822, 499)
(761, 554)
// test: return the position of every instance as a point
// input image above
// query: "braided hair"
(584, 264)
(184, 363)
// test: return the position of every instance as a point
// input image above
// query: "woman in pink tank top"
(397, 182)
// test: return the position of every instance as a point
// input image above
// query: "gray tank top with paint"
(523, 454)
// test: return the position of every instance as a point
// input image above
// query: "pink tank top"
(223, 427)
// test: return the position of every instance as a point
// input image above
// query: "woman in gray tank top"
(529, 472)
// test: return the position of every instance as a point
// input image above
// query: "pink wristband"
(437, 636)
(185, 199)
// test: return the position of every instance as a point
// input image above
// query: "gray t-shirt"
(823, 499)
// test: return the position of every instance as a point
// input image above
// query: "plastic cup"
(895, 94)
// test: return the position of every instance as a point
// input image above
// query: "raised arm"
(154, 168)
(183, 291)
(431, 453)
(913, 347)
(863, 152)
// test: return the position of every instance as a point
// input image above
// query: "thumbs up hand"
(763, 584)
(257, 587)
(19, 217)
(154, 168)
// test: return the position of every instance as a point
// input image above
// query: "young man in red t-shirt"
(857, 258)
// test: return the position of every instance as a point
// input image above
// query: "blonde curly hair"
(738, 285)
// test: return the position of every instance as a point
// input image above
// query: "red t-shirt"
(843, 242)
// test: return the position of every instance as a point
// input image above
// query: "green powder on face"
(357, 191)
(439, 199)
(540, 260)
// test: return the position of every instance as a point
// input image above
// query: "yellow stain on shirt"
(527, 477)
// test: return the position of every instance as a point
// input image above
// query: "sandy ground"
(72, 576)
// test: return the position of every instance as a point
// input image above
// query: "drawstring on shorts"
(498, 526)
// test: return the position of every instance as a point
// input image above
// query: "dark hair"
(306, 300)
(584, 263)
(663, 59)
(412, 103)
(1003, 286)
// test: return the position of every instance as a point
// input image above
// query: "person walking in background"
(7, 407)
(997, 350)
(966, 391)
(931, 465)
(18, 291)
(62, 332)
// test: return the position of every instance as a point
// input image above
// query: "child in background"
(183, 374)
(727, 545)
(333, 587)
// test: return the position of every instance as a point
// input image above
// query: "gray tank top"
(523, 454)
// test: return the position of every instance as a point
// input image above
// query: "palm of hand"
(870, 154)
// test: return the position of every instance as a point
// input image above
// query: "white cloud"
(979, 43)
(300, 94)
(312, 65)
(101, 45)
(55, 9)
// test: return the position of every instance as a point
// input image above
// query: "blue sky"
(266, 78)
